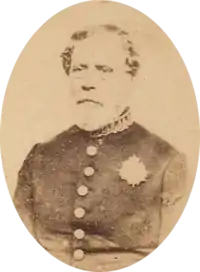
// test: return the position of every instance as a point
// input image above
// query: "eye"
(77, 69)
(104, 69)
(107, 70)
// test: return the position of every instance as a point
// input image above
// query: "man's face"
(99, 83)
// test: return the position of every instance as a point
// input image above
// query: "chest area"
(97, 178)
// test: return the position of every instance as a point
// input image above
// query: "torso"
(126, 214)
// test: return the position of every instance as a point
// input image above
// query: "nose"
(87, 88)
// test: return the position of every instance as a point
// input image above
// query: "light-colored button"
(89, 171)
(91, 150)
(78, 254)
(79, 234)
(82, 190)
(79, 212)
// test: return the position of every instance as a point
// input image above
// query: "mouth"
(90, 101)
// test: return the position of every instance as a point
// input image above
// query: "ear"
(132, 65)
(66, 57)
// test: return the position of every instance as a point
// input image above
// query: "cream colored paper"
(36, 104)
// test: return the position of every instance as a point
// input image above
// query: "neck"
(119, 124)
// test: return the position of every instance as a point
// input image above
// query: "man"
(98, 195)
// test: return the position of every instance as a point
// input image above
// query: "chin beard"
(90, 125)
(97, 119)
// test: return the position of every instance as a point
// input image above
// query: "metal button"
(78, 254)
(79, 234)
(79, 212)
(91, 150)
(89, 171)
(82, 190)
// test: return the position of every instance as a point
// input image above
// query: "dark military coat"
(75, 197)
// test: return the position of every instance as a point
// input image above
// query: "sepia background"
(36, 104)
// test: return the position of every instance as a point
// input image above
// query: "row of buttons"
(80, 212)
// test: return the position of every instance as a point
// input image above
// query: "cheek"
(108, 83)
(74, 84)
(117, 91)
(124, 87)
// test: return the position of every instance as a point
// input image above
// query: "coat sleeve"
(173, 194)
(23, 196)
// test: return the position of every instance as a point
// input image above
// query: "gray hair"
(130, 61)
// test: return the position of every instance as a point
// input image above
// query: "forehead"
(103, 48)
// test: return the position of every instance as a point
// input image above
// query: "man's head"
(101, 63)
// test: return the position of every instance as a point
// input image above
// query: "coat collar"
(122, 123)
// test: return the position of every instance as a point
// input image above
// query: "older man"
(97, 196)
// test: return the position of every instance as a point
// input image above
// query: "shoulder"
(43, 153)
(54, 146)
(151, 148)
